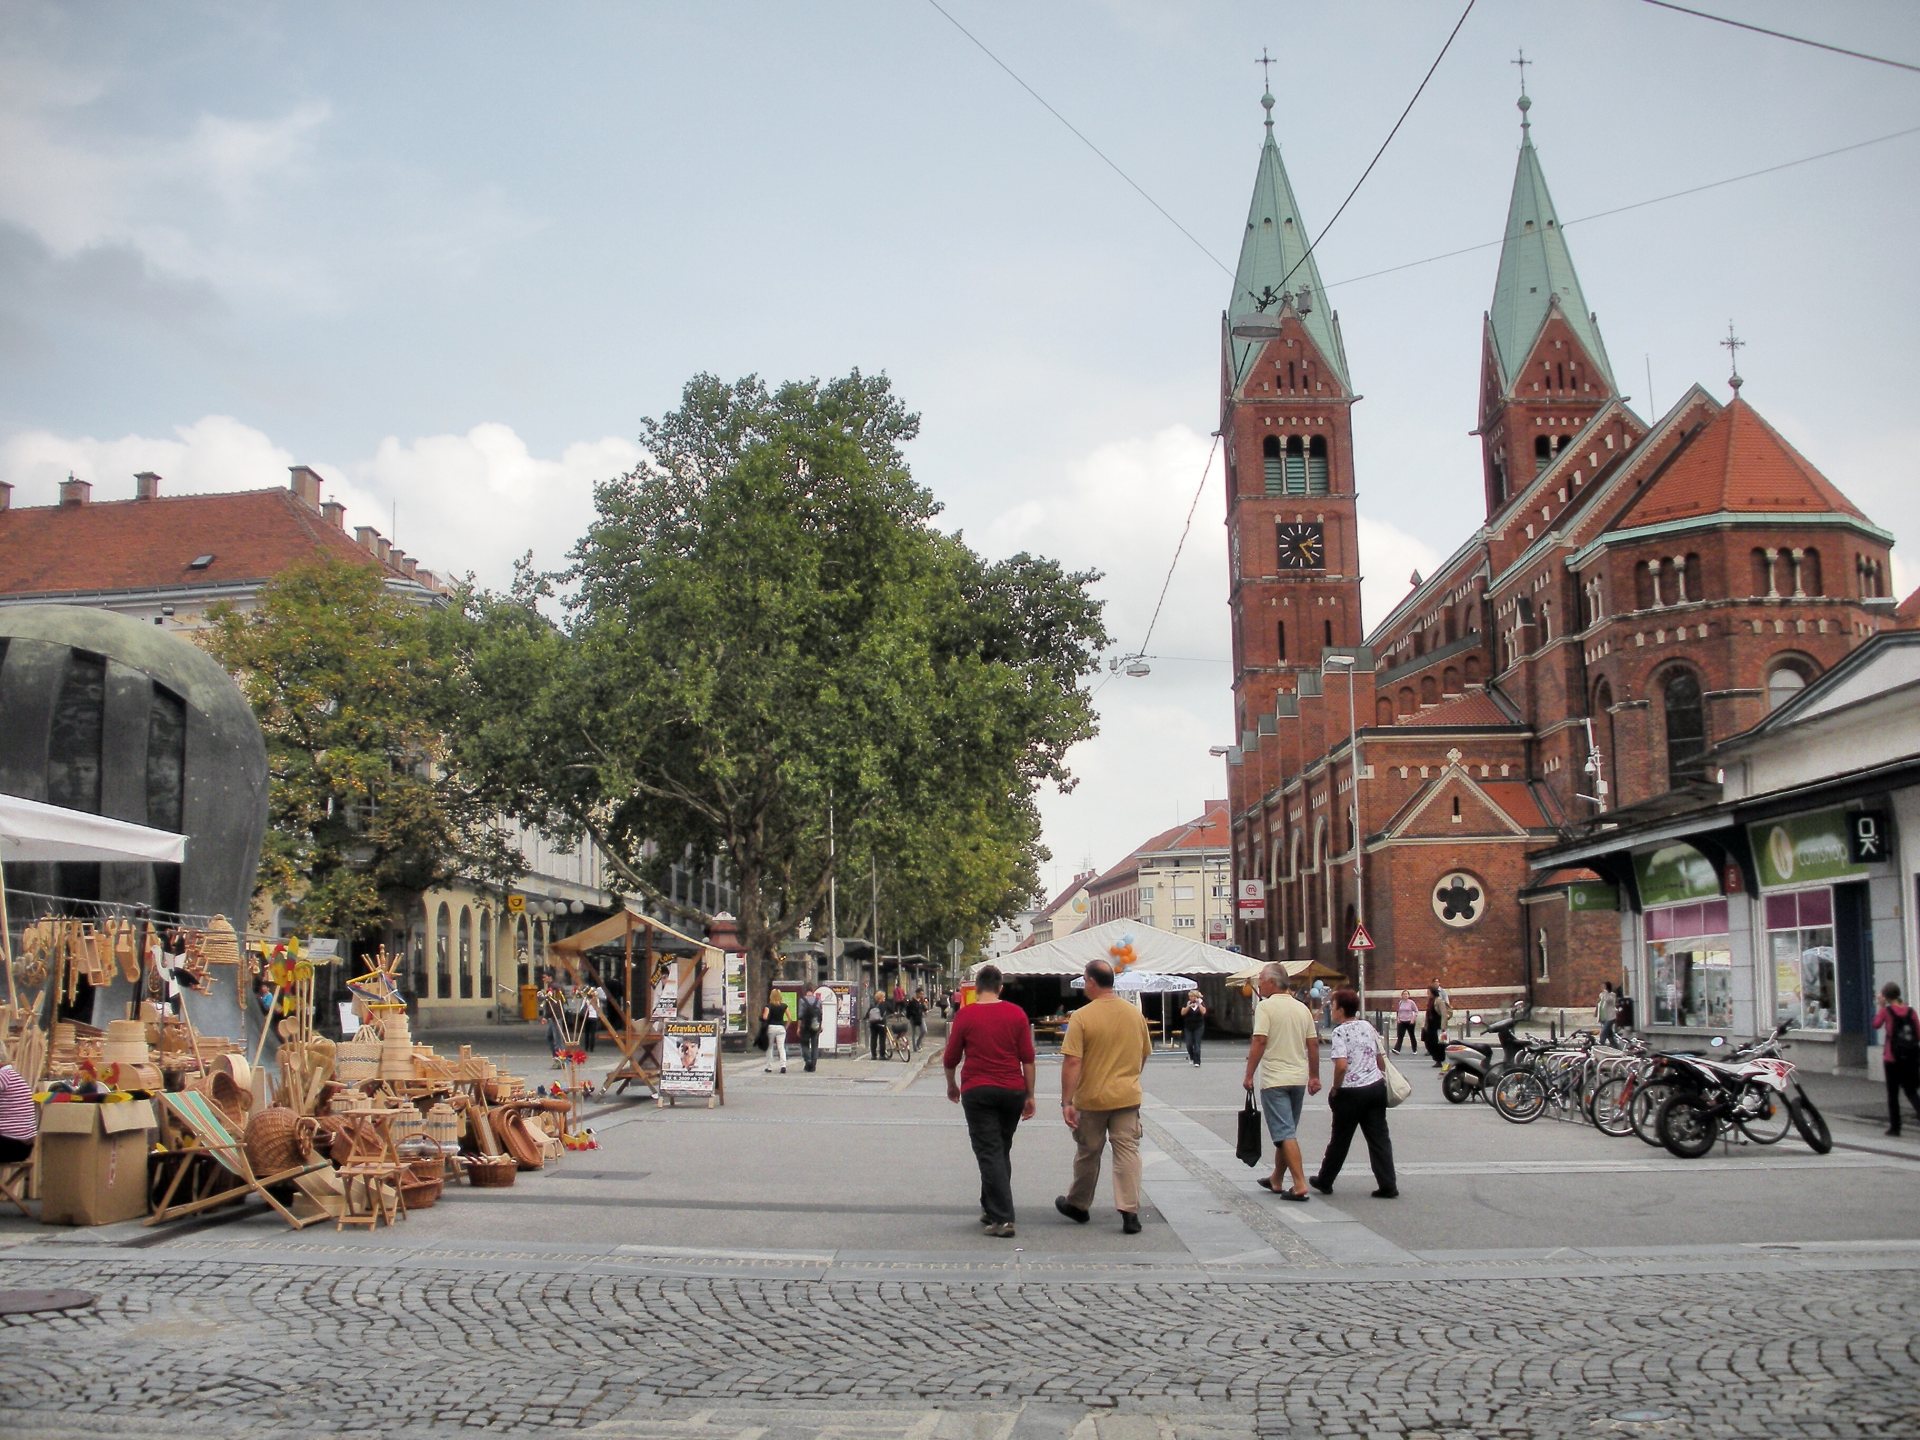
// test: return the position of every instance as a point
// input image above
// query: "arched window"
(1382, 710)
(1317, 465)
(1786, 679)
(1296, 466)
(1643, 583)
(1326, 883)
(1695, 579)
(1407, 702)
(486, 956)
(1686, 721)
(1450, 681)
(464, 958)
(1474, 670)
(1542, 453)
(1810, 580)
(443, 954)
(1762, 573)
(1429, 690)
(1270, 463)
(1498, 483)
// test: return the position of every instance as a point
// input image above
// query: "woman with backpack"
(1901, 1027)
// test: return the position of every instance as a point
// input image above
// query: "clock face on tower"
(1302, 546)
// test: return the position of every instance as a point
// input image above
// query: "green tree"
(364, 813)
(763, 621)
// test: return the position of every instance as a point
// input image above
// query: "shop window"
(1686, 726)
(1800, 945)
(1270, 464)
(1690, 966)
(523, 951)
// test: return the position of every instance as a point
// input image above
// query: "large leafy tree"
(351, 694)
(763, 621)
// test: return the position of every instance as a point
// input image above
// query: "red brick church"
(1639, 590)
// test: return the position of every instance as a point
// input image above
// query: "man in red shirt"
(989, 1064)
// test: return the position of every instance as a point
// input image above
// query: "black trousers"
(1431, 1036)
(1196, 1032)
(1406, 1033)
(1365, 1110)
(993, 1114)
(876, 1039)
(1902, 1078)
(810, 1048)
(13, 1151)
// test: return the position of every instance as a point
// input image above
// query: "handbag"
(1252, 1145)
(1398, 1086)
(760, 1038)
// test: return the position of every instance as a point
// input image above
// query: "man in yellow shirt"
(1106, 1045)
(1285, 1055)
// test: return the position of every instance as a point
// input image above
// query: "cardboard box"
(93, 1162)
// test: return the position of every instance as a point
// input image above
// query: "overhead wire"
(1782, 35)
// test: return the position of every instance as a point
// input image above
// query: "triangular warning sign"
(1361, 939)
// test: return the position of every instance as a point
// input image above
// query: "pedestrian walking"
(1194, 1024)
(1623, 1013)
(812, 1009)
(1433, 1032)
(1285, 1059)
(1408, 1015)
(592, 999)
(553, 1004)
(989, 1064)
(1900, 1029)
(876, 1027)
(1358, 1100)
(1106, 1044)
(917, 1018)
(1607, 1012)
(774, 1017)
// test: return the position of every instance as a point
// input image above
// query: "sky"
(451, 254)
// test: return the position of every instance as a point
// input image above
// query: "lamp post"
(1346, 663)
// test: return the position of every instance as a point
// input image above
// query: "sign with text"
(1806, 849)
(1252, 902)
(689, 1056)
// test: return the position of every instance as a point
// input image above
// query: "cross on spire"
(1523, 62)
(1266, 80)
(1733, 344)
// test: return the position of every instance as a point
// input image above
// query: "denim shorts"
(1282, 1103)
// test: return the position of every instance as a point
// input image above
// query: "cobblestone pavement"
(330, 1344)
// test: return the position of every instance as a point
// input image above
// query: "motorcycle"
(1471, 1069)
(1755, 1096)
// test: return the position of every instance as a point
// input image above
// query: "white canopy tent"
(32, 831)
(1156, 952)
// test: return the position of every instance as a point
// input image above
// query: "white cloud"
(464, 502)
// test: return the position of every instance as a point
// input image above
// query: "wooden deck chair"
(14, 1176)
(208, 1126)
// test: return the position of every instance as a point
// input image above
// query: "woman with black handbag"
(773, 1019)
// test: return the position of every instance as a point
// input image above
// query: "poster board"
(690, 1061)
(736, 992)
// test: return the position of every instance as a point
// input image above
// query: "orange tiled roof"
(1476, 707)
(1516, 797)
(1908, 610)
(152, 544)
(1738, 463)
(1208, 832)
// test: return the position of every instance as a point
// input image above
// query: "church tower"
(1543, 368)
(1286, 428)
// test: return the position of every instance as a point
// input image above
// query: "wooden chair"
(208, 1127)
(15, 1176)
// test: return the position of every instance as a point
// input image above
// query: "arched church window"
(1270, 461)
(1317, 465)
(1473, 670)
(1786, 679)
(1450, 681)
(1383, 711)
(1542, 453)
(1810, 580)
(1296, 465)
(1407, 702)
(1762, 573)
(1686, 722)
(443, 954)
(1602, 716)
(1429, 690)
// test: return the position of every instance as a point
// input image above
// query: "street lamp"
(1347, 663)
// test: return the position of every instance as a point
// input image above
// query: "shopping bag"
(1398, 1086)
(1252, 1146)
(760, 1041)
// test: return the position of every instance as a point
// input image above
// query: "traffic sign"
(1361, 939)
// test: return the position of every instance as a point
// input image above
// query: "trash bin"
(529, 1003)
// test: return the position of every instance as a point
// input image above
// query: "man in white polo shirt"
(1285, 1056)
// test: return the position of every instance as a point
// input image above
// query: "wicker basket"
(492, 1173)
(420, 1185)
(278, 1139)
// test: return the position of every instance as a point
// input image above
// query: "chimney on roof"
(368, 538)
(75, 492)
(336, 513)
(6, 495)
(146, 486)
(409, 566)
(305, 485)
(383, 547)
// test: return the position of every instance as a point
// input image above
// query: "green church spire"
(1275, 270)
(1536, 272)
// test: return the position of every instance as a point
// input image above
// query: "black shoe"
(1894, 1130)
(1071, 1211)
(986, 1220)
(1386, 1194)
(1324, 1187)
(1129, 1222)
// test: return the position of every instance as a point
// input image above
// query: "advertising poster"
(736, 991)
(689, 1057)
(666, 998)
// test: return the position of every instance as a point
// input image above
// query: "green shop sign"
(1592, 895)
(1675, 873)
(1803, 849)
